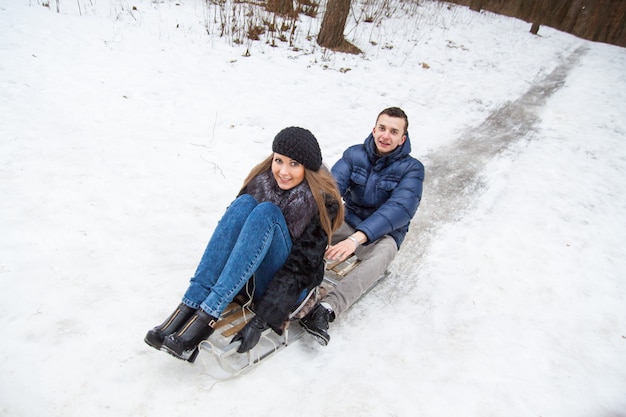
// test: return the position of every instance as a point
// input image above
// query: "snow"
(126, 132)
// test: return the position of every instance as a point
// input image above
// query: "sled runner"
(220, 356)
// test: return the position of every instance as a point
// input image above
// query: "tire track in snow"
(453, 172)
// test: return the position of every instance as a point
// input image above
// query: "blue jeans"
(251, 238)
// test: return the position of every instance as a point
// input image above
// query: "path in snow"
(453, 172)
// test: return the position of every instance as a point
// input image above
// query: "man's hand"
(342, 250)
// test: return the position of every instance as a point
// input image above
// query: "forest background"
(595, 20)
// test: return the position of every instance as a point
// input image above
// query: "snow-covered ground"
(126, 129)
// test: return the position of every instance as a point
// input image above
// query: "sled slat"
(229, 319)
(234, 329)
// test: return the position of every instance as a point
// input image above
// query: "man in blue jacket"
(381, 185)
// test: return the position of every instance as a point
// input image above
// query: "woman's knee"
(246, 199)
(268, 212)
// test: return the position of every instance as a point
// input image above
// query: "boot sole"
(320, 338)
(187, 355)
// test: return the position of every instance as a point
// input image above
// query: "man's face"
(388, 134)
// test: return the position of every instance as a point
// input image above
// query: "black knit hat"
(299, 144)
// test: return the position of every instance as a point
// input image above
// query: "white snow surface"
(126, 129)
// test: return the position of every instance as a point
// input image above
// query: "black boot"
(170, 326)
(316, 323)
(184, 343)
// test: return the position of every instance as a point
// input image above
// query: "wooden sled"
(220, 356)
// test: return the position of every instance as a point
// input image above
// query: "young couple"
(288, 217)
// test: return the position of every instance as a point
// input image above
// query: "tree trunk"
(281, 7)
(476, 5)
(333, 25)
(534, 28)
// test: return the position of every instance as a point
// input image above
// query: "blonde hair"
(321, 183)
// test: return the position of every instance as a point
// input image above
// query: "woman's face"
(287, 172)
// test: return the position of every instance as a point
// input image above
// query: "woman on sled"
(277, 229)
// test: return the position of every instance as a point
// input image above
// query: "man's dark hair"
(396, 112)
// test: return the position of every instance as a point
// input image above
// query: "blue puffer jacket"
(381, 194)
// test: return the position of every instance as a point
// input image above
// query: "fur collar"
(297, 204)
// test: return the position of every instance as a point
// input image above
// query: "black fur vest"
(297, 204)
